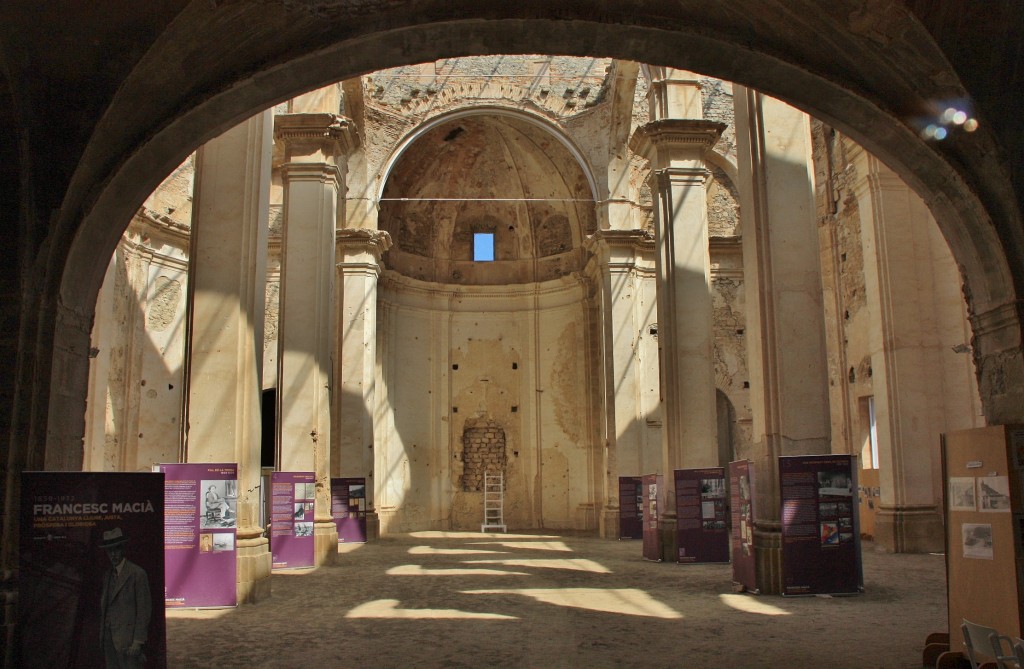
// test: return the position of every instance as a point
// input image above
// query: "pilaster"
(676, 148)
(620, 259)
(358, 268)
(906, 359)
(313, 176)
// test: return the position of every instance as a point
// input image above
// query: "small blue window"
(483, 246)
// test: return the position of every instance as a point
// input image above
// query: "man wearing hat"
(125, 607)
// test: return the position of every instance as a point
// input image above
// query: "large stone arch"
(217, 63)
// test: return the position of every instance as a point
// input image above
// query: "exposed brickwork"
(483, 450)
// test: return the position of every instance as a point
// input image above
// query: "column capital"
(656, 139)
(315, 137)
(642, 240)
(354, 244)
(618, 250)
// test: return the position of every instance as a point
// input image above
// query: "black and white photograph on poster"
(962, 494)
(744, 487)
(300, 510)
(707, 509)
(303, 529)
(835, 482)
(845, 523)
(712, 488)
(223, 541)
(977, 540)
(714, 524)
(357, 491)
(827, 509)
(220, 503)
(994, 493)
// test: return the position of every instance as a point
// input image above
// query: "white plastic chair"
(985, 643)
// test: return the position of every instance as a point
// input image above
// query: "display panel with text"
(91, 571)
(199, 534)
(293, 497)
(820, 535)
(702, 533)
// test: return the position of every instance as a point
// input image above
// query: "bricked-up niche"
(483, 450)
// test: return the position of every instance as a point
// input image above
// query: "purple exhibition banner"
(631, 507)
(199, 534)
(91, 570)
(741, 486)
(820, 534)
(348, 508)
(702, 533)
(291, 519)
(653, 493)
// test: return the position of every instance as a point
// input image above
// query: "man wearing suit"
(125, 606)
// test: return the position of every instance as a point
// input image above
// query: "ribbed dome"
(487, 173)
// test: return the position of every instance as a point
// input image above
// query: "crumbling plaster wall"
(852, 313)
(455, 354)
(137, 350)
(567, 92)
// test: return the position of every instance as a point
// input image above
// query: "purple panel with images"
(200, 532)
(702, 533)
(291, 519)
(653, 499)
(820, 533)
(741, 484)
(631, 507)
(348, 508)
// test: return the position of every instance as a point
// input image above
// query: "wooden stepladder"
(494, 502)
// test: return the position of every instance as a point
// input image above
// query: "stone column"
(313, 176)
(906, 358)
(224, 343)
(355, 360)
(785, 321)
(676, 149)
(614, 273)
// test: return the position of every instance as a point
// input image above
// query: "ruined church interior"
(431, 263)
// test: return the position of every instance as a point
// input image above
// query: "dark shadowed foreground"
(437, 599)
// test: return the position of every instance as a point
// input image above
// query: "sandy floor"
(433, 599)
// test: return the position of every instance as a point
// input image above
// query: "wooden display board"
(984, 558)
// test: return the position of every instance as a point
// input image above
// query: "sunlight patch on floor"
(574, 564)
(349, 548)
(623, 601)
(535, 545)
(749, 604)
(430, 550)
(388, 608)
(200, 614)
(440, 534)
(417, 570)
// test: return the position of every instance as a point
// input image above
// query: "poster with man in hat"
(126, 606)
(91, 559)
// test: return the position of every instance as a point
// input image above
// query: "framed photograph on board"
(962, 494)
